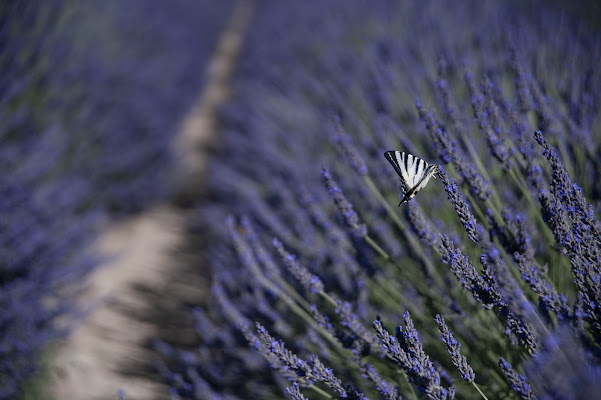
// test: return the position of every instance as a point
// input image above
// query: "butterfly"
(414, 172)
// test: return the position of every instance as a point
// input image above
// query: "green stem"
(479, 391)
(495, 211)
(518, 180)
(419, 285)
(476, 207)
(410, 387)
(481, 168)
(404, 229)
(303, 314)
(321, 392)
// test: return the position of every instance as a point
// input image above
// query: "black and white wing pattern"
(414, 172)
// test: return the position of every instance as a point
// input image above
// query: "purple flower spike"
(478, 185)
(344, 206)
(280, 358)
(387, 391)
(443, 145)
(421, 225)
(306, 278)
(295, 393)
(485, 112)
(461, 207)
(578, 235)
(321, 373)
(467, 274)
(454, 347)
(518, 382)
(524, 98)
(517, 241)
(344, 141)
(293, 367)
(406, 350)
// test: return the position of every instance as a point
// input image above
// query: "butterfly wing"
(413, 171)
(417, 169)
(429, 172)
(397, 159)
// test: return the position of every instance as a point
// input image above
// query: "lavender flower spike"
(295, 393)
(306, 278)
(406, 350)
(461, 207)
(344, 141)
(421, 226)
(517, 381)
(323, 374)
(279, 357)
(386, 390)
(454, 347)
(344, 206)
(483, 290)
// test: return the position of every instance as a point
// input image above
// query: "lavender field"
(486, 285)
(90, 96)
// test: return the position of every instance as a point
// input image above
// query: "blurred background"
(92, 95)
(140, 138)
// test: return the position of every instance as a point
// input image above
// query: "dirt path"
(90, 363)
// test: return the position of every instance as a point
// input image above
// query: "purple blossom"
(442, 143)
(485, 288)
(406, 350)
(517, 241)
(578, 235)
(244, 251)
(563, 369)
(570, 194)
(279, 357)
(453, 348)
(421, 225)
(351, 321)
(486, 114)
(349, 331)
(290, 365)
(478, 185)
(482, 288)
(517, 312)
(549, 117)
(263, 256)
(344, 141)
(307, 279)
(295, 393)
(461, 207)
(518, 382)
(323, 374)
(448, 104)
(524, 99)
(322, 320)
(344, 206)
(386, 390)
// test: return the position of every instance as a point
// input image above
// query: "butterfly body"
(413, 171)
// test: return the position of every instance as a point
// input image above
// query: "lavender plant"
(468, 290)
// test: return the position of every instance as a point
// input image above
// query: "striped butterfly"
(414, 172)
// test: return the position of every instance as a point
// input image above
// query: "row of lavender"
(90, 95)
(486, 285)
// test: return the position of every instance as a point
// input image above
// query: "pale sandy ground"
(89, 364)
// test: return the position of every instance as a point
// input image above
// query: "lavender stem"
(405, 230)
(479, 390)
